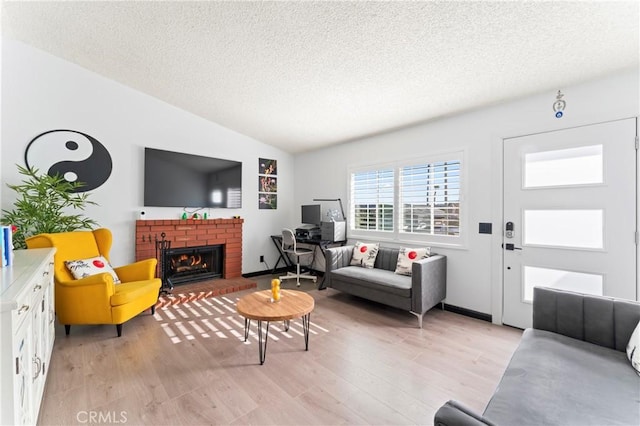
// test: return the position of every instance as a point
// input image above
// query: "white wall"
(41, 92)
(473, 273)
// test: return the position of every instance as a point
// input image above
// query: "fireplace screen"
(193, 264)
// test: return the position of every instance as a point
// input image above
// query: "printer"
(308, 232)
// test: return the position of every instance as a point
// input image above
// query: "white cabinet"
(27, 334)
(21, 379)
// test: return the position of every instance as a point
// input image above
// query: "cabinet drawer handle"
(23, 308)
(38, 362)
(45, 273)
(37, 287)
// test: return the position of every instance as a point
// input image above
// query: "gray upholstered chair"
(290, 246)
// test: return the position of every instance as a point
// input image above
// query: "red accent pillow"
(407, 256)
(364, 254)
(92, 266)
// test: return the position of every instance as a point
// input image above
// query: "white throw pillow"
(364, 254)
(407, 256)
(633, 349)
(86, 267)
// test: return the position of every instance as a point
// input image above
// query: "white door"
(570, 206)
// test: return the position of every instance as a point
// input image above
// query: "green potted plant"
(43, 205)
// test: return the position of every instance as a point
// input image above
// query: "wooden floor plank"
(366, 364)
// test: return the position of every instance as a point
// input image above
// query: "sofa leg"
(119, 329)
(153, 309)
(419, 318)
(67, 329)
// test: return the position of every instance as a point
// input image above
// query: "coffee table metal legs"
(262, 341)
(306, 320)
(263, 335)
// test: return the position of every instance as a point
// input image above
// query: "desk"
(322, 244)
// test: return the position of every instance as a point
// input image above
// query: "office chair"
(289, 245)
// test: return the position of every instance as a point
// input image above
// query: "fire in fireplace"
(189, 264)
(186, 263)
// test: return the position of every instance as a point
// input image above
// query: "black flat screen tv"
(174, 179)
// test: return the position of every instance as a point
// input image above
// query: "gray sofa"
(571, 368)
(418, 293)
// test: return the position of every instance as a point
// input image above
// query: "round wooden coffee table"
(258, 306)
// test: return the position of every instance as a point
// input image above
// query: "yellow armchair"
(96, 299)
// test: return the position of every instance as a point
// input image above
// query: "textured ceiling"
(301, 75)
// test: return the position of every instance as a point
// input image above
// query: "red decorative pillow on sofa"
(364, 254)
(407, 256)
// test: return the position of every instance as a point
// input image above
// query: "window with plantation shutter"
(430, 198)
(416, 200)
(372, 200)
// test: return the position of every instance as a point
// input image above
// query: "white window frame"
(395, 236)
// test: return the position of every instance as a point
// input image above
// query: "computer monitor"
(311, 214)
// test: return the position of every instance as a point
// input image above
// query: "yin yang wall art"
(74, 155)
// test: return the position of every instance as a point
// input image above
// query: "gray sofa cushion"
(555, 379)
(387, 259)
(603, 321)
(376, 279)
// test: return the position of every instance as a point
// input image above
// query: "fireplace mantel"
(193, 233)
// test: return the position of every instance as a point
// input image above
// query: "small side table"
(258, 306)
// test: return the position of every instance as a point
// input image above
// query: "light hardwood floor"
(366, 364)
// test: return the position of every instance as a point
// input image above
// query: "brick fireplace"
(194, 233)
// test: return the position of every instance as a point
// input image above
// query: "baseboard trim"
(279, 271)
(468, 312)
(255, 274)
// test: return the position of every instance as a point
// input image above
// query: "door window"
(582, 229)
(564, 167)
(557, 278)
